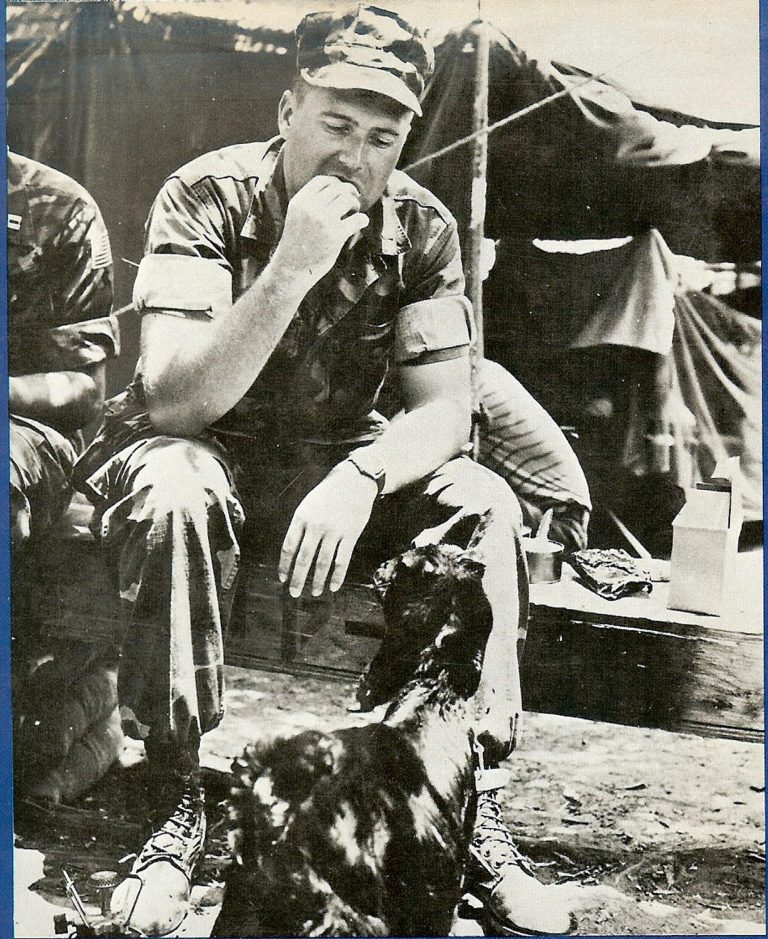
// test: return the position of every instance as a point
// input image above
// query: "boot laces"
(493, 843)
(182, 834)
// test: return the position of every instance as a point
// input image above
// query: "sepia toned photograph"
(385, 446)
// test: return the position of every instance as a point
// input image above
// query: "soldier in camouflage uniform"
(281, 282)
(60, 334)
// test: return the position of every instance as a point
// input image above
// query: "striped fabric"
(101, 252)
(524, 445)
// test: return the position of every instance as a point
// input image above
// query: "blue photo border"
(6, 752)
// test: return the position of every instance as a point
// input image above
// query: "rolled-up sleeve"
(184, 271)
(181, 285)
(437, 322)
(78, 345)
(432, 326)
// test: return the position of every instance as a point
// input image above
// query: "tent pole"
(475, 233)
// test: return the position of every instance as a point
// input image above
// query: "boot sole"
(503, 927)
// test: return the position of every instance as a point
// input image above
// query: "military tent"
(120, 94)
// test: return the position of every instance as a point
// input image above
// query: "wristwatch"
(367, 463)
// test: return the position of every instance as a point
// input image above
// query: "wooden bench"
(629, 661)
(633, 661)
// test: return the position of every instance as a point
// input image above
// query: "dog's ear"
(470, 603)
(246, 769)
(473, 562)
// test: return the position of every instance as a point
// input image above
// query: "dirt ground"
(647, 832)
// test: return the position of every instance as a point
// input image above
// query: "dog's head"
(437, 619)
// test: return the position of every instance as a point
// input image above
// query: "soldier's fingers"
(354, 223)
(341, 564)
(319, 184)
(303, 562)
(323, 563)
(342, 187)
(288, 551)
(344, 203)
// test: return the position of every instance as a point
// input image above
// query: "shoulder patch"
(14, 222)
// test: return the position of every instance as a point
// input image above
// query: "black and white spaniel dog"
(365, 831)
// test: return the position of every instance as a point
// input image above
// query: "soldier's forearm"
(65, 400)
(194, 372)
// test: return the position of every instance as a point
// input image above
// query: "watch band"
(368, 464)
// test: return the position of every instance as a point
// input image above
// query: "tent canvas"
(89, 84)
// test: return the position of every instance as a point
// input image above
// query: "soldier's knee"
(178, 477)
(20, 518)
(479, 491)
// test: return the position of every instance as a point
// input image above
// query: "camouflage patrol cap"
(364, 46)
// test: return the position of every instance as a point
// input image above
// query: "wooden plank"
(744, 613)
(710, 683)
(634, 661)
(267, 624)
(629, 661)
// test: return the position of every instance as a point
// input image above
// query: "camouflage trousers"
(41, 462)
(170, 520)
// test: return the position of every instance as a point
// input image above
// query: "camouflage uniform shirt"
(59, 273)
(396, 296)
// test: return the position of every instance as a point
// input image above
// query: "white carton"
(705, 539)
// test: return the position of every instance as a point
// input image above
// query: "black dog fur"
(365, 831)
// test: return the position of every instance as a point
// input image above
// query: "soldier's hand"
(322, 216)
(325, 528)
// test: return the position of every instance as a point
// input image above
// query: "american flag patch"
(101, 253)
(14, 222)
